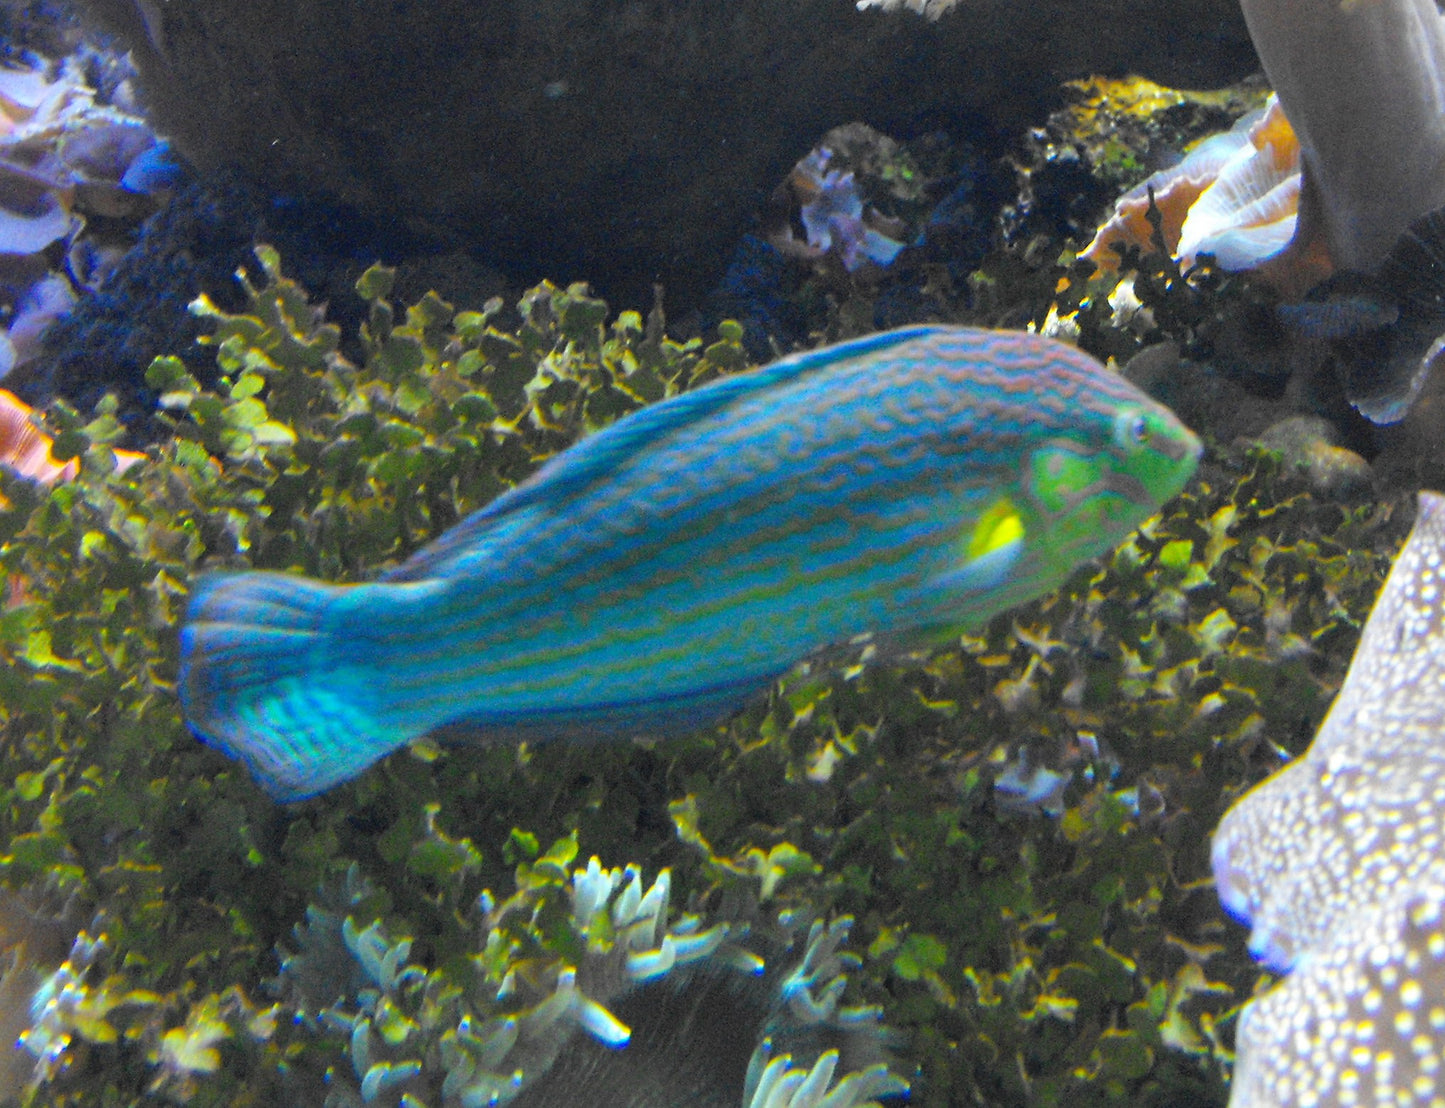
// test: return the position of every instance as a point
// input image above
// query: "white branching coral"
(634, 924)
(416, 1037)
(929, 9)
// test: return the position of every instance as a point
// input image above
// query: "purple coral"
(833, 218)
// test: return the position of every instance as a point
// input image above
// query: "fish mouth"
(1186, 446)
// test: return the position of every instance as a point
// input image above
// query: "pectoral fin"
(960, 598)
(990, 550)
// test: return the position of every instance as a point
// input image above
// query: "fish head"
(1092, 487)
(1151, 456)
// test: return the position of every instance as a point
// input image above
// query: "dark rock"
(621, 141)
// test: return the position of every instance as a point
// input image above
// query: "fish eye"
(1132, 429)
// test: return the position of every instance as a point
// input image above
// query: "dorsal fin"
(595, 457)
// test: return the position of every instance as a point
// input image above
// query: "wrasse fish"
(658, 574)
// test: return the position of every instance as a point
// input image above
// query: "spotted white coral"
(1338, 864)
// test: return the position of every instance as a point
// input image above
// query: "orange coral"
(25, 448)
(1236, 197)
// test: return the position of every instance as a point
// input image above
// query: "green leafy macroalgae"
(659, 573)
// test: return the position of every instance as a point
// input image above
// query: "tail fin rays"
(259, 680)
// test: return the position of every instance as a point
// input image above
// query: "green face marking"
(1147, 461)
(1155, 450)
(1062, 476)
(1086, 494)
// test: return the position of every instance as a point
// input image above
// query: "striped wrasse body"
(655, 576)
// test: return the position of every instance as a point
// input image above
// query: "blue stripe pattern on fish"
(662, 571)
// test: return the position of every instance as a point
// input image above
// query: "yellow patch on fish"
(999, 528)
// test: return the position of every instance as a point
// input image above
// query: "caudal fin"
(259, 680)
